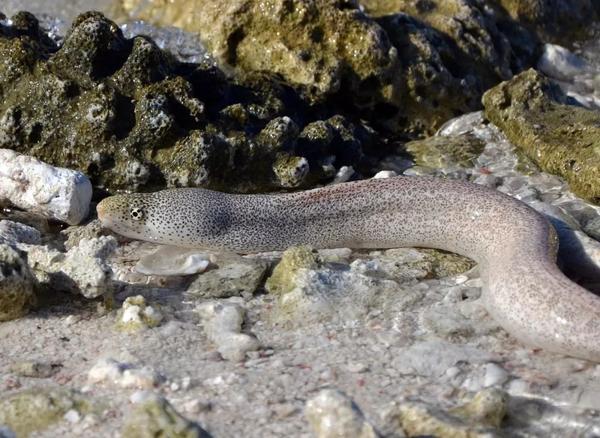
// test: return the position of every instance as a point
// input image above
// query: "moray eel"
(515, 246)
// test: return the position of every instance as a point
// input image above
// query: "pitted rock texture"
(561, 139)
(131, 116)
(17, 284)
(405, 65)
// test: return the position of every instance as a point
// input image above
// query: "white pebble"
(196, 406)
(385, 174)
(343, 174)
(519, 387)
(72, 416)
(357, 367)
(123, 375)
(52, 192)
(142, 396)
(494, 375)
(452, 372)
(137, 314)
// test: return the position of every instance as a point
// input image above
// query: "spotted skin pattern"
(514, 245)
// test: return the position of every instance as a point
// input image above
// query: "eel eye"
(136, 213)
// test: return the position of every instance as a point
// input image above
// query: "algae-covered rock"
(437, 151)
(136, 314)
(561, 139)
(311, 290)
(407, 65)
(282, 280)
(480, 417)
(402, 264)
(451, 51)
(16, 284)
(97, 104)
(131, 116)
(322, 46)
(157, 418)
(35, 369)
(37, 409)
(555, 20)
(488, 406)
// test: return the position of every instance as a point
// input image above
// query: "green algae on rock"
(438, 151)
(157, 418)
(282, 280)
(322, 46)
(555, 21)
(450, 52)
(136, 315)
(17, 284)
(132, 117)
(479, 417)
(38, 408)
(561, 139)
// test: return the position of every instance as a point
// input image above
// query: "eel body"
(514, 245)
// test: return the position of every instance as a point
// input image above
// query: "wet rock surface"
(562, 139)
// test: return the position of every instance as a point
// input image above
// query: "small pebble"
(495, 375)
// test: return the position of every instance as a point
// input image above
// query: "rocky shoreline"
(105, 336)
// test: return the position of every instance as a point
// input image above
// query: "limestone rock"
(223, 324)
(53, 192)
(478, 418)
(83, 269)
(12, 233)
(136, 314)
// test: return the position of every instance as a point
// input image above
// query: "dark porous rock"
(405, 65)
(557, 21)
(17, 284)
(561, 139)
(323, 47)
(450, 52)
(133, 117)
